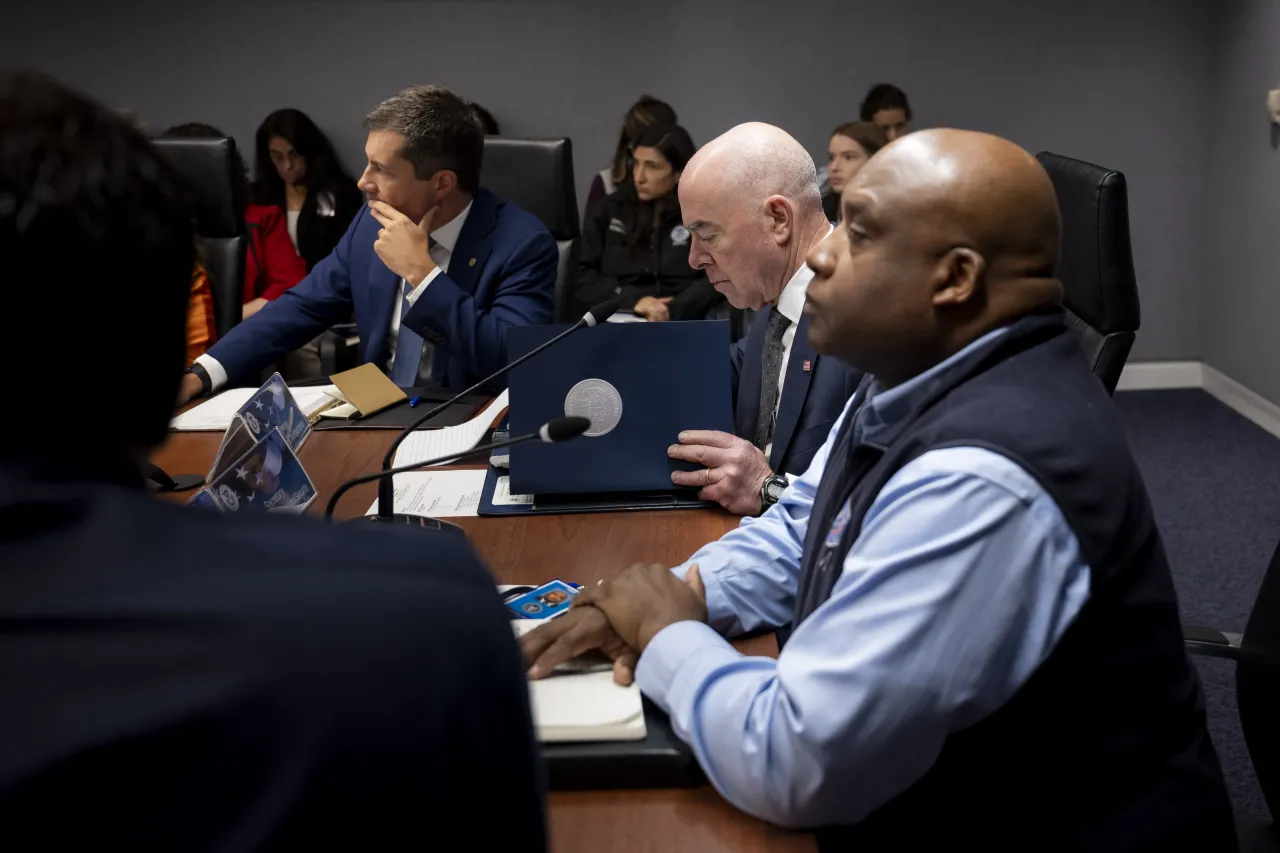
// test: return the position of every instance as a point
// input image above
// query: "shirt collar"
(791, 301)
(446, 235)
(884, 409)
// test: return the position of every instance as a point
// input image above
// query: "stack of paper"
(216, 413)
(426, 444)
(582, 705)
(437, 494)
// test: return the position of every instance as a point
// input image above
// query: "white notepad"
(582, 706)
(215, 414)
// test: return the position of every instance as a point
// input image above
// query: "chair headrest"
(209, 166)
(1095, 263)
(536, 174)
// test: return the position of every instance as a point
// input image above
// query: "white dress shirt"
(446, 237)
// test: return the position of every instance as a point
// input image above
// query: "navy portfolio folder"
(641, 384)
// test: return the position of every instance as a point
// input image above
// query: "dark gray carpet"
(1214, 479)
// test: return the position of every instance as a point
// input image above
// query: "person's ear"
(961, 272)
(780, 218)
(444, 182)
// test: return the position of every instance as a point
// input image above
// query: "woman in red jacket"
(272, 265)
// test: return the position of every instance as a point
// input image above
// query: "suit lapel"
(474, 243)
(794, 391)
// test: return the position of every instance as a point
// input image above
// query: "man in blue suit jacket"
(435, 268)
(750, 200)
(177, 679)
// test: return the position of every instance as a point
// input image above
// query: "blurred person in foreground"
(176, 679)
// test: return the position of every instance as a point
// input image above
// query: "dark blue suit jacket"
(812, 397)
(502, 273)
(182, 680)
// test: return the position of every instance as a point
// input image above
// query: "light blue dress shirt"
(963, 579)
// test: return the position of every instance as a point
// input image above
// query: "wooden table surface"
(581, 548)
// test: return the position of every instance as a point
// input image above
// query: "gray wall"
(1130, 93)
(1241, 285)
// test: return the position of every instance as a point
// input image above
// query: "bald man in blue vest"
(987, 651)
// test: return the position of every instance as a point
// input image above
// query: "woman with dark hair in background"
(646, 112)
(635, 244)
(851, 145)
(272, 266)
(296, 170)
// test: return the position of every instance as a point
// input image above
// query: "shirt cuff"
(676, 662)
(720, 616)
(422, 288)
(217, 373)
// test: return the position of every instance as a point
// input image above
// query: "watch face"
(773, 488)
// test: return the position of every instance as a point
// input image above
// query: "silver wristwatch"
(774, 486)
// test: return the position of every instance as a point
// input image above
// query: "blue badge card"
(544, 602)
(269, 478)
(273, 406)
(203, 500)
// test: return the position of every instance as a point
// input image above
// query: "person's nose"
(699, 258)
(822, 259)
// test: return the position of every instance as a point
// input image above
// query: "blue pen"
(415, 401)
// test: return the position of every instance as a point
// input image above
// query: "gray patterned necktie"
(770, 373)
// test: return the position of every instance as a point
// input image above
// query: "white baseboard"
(1251, 404)
(1156, 375)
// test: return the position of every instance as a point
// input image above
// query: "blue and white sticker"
(679, 235)
(838, 526)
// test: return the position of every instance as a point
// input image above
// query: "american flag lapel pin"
(808, 365)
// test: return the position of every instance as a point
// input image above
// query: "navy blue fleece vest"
(1105, 747)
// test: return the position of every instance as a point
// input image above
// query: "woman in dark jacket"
(635, 245)
(296, 170)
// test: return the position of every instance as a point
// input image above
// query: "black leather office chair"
(1095, 265)
(537, 174)
(209, 167)
(1257, 656)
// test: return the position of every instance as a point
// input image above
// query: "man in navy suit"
(435, 268)
(750, 199)
(176, 679)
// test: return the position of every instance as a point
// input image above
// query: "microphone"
(559, 429)
(386, 493)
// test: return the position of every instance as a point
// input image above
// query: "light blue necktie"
(404, 370)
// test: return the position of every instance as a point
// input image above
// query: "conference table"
(532, 550)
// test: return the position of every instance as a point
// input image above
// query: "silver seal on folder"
(598, 402)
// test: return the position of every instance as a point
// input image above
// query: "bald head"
(948, 234)
(750, 198)
(971, 188)
(753, 161)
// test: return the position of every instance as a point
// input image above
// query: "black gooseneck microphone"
(560, 429)
(386, 491)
